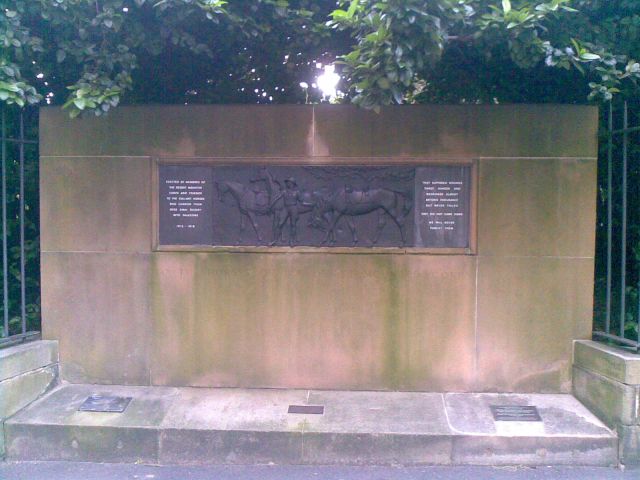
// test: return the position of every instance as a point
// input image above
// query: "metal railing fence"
(617, 288)
(19, 225)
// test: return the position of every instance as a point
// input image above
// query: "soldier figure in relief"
(291, 197)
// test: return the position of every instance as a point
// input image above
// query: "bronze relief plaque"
(307, 205)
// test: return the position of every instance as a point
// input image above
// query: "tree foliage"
(399, 44)
(95, 48)
(90, 55)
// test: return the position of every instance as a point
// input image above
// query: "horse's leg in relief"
(382, 222)
(329, 234)
(332, 228)
(254, 223)
(403, 211)
(397, 215)
(399, 221)
(354, 232)
(242, 227)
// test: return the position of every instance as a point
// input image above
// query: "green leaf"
(589, 56)
(11, 87)
(383, 83)
(352, 8)
(339, 14)
(372, 37)
(506, 6)
(80, 103)
(397, 95)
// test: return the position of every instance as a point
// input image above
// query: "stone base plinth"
(200, 426)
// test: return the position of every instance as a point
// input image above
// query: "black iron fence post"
(9, 334)
(620, 334)
(5, 263)
(609, 216)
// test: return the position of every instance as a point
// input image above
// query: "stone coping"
(616, 363)
(26, 357)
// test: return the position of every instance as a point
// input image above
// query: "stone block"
(207, 447)
(562, 416)
(179, 131)
(551, 207)
(100, 204)
(97, 305)
(615, 363)
(327, 448)
(147, 409)
(613, 402)
(530, 309)
(19, 391)
(629, 438)
(421, 413)
(298, 321)
(449, 130)
(54, 429)
(81, 443)
(567, 435)
(24, 358)
(545, 450)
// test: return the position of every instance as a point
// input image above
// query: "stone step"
(201, 426)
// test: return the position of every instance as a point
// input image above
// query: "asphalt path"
(99, 471)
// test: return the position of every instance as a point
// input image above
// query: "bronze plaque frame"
(328, 162)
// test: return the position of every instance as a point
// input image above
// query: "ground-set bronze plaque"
(515, 413)
(105, 403)
(425, 206)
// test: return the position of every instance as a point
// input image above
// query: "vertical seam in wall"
(475, 325)
(159, 444)
(313, 131)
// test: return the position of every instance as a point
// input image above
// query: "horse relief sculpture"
(318, 213)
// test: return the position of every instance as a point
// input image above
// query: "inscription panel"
(185, 205)
(442, 206)
(348, 206)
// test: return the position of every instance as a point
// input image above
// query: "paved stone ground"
(100, 471)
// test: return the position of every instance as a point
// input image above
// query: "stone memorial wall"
(430, 248)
